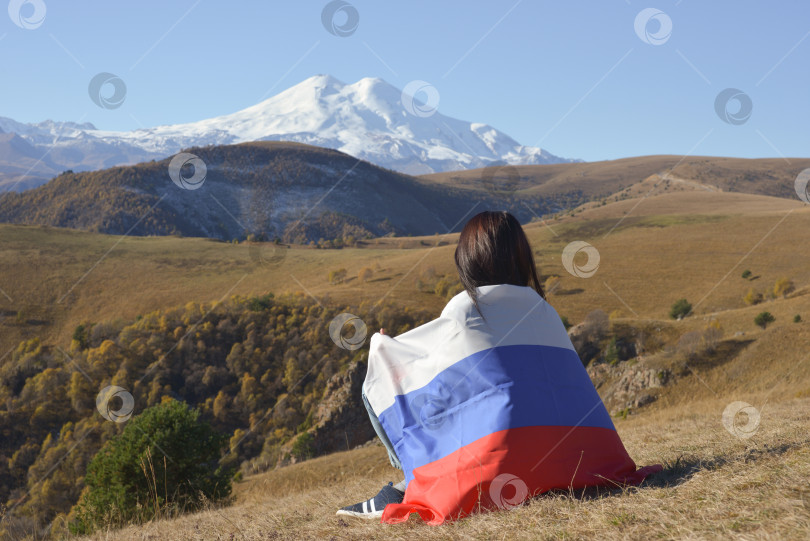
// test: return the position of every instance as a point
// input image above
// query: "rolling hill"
(265, 189)
(658, 241)
(764, 176)
(300, 193)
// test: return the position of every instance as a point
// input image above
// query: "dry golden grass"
(658, 253)
(714, 486)
(687, 243)
(770, 176)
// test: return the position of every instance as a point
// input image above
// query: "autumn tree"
(752, 297)
(783, 287)
(365, 274)
(337, 276)
(551, 284)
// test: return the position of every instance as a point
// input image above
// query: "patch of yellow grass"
(715, 486)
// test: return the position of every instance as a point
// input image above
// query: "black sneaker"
(373, 508)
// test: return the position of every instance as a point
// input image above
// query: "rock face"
(584, 344)
(341, 421)
(625, 386)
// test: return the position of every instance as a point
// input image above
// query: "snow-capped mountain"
(367, 119)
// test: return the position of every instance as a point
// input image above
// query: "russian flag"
(485, 413)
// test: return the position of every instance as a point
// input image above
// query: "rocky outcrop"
(585, 344)
(341, 421)
(627, 385)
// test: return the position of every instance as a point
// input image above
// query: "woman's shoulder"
(498, 297)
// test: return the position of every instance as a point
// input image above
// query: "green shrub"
(680, 309)
(763, 318)
(612, 352)
(746, 274)
(262, 302)
(80, 334)
(165, 460)
(302, 448)
(797, 318)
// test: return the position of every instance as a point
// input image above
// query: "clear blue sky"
(572, 77)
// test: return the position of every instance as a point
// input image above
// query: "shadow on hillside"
(678, 472)
(573, 291)
(722, 354)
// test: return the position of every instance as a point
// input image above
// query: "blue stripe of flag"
(492, 390)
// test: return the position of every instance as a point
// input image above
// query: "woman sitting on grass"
(489, 404)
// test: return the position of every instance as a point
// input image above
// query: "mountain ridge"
(369, 119)
(303, 194)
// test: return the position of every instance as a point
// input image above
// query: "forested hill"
(305, 194)
(294, 192)
(256, 367)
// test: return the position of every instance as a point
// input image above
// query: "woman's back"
(474, 396)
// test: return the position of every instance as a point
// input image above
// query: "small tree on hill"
(131, 479)
(365, 274)
(337, 276)
(689, 344)
(551, 284)
(746, 274)
(596, 325)
(680, 309)
(783, 287)
(712, 335)
(763, 318)
(303, 446)
(752, 297)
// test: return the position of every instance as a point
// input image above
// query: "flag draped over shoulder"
(484, 413)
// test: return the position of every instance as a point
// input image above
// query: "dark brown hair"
(493, 249)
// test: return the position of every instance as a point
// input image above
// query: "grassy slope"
(766, 176)
(648, 260)
(715, 485)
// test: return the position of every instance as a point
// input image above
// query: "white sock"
(401, 485)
